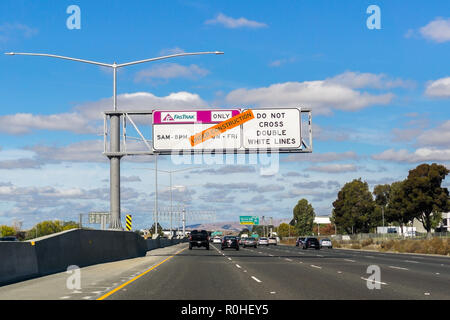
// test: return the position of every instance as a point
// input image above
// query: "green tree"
(353, 210)
(45, 228)
(397, 210)
(6, 231)
(382, 194)
(426, 198)
(285, 230)
(303, 218)
(160, 230)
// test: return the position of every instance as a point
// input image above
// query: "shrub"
(367, 242)
(356, 246)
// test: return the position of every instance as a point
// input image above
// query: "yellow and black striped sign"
(128, 218)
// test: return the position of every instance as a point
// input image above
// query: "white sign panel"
(273, 129)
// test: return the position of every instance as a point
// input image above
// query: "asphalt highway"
(284, 272)
(264, 273)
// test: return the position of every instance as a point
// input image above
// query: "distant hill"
(229, 225)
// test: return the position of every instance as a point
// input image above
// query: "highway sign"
(96, 217)
(172, 130)
(249, 220)
(273, 129)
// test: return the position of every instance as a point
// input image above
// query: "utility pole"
(184, 221)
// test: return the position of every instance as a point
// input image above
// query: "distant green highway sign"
(249, 220)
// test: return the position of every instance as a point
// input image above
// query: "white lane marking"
(229, 259)
(301, 253)
(66, 297)
(316, 266)
(300, 262)
(373, 281)
(411, 261)
(349, 260)
(287, 259)
(437, 273)
(427, 293)
(271, 255)
(400, 268)
(319, 255)
(238, 266)
(369, 256)
(256, 279)
(245, 270)
(272, 292)
(86, 298)
(339, 271)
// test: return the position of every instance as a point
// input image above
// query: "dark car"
(250, 242)
(299, 241)
(230, 242)
(199, 239)
(311, 243)
(8, 238)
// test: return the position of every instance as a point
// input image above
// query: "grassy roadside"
(440, 246)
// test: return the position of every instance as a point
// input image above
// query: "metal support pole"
(171, 207)
(115, 161)
(156, 195)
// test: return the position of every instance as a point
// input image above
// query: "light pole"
(156, 192)
(115, 157)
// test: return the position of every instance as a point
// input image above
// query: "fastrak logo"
(168, 118)
(178, 116)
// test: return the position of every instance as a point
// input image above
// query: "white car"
(263, 241)
(273, 240)
(326, 243)
(217, 240)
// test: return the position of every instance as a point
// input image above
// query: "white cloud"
(321, 95)
(10, 31)
(87, 118)
(22, 123)
(358, 80)
(84, 151)
(439, 88)
(419, 155)
(171, 70)
(437, 30)
(321, 157)
(232, 23)
(334, 168)
(439, 136)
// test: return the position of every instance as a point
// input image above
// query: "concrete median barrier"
(17, 262)
(54, 253)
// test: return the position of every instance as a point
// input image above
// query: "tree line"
(358, 210)
(420, 196)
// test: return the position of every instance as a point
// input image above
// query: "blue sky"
(379, 98)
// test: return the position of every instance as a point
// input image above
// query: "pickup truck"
(199, 239)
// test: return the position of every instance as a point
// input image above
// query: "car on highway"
(311, 242)
(229, 242)
(326, 243)
(263, 241)
(217, 239)
(250, 242)
(273, 240)
(199, 239)
(299, 241)
(8, 238)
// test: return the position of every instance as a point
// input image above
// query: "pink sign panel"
(193, 116)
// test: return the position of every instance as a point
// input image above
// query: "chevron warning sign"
(128, 222)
